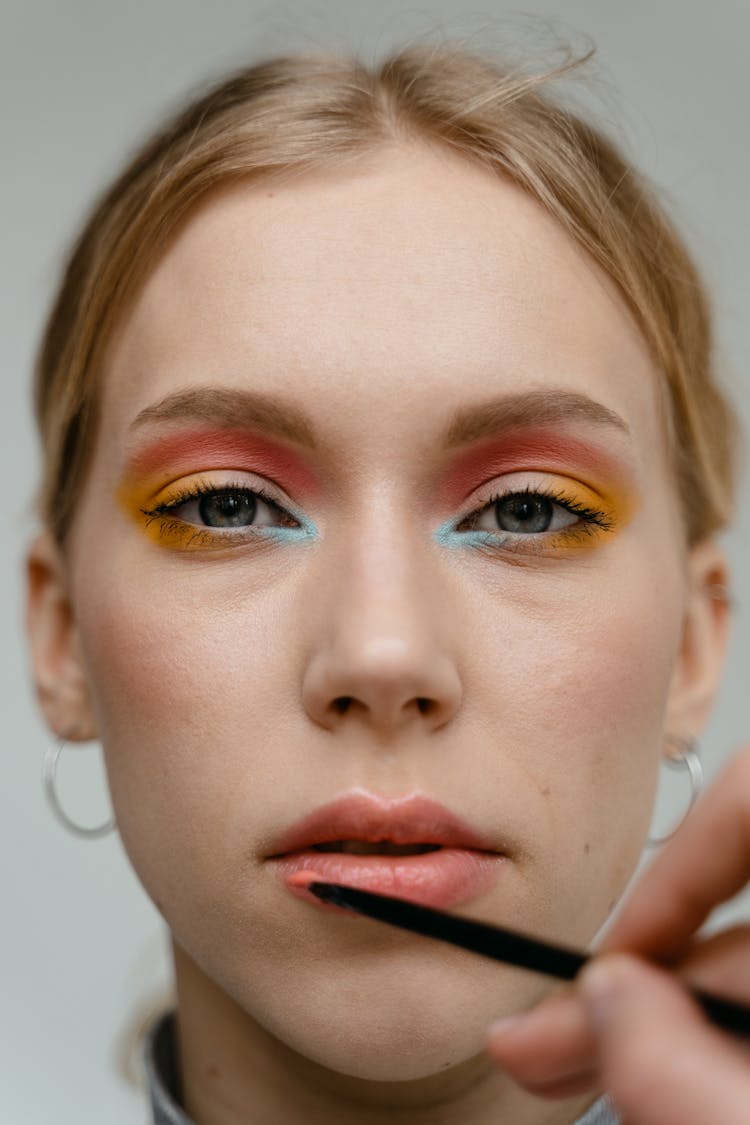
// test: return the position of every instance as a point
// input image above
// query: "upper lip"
(414, 819)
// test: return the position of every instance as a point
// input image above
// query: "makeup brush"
(500, 944)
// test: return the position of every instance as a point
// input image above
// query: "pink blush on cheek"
(201, 450)
(524, 451)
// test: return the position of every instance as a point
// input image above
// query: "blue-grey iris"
(530, 514)
(227, 509)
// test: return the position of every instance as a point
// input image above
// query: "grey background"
(83, 952)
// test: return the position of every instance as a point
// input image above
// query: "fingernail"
(509, 1025)
(599, 984)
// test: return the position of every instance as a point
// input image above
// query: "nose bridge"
(383, 594)
(383, 649)
(383, 571)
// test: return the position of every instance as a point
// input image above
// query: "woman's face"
(462, 580)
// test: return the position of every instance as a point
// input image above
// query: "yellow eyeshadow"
(614, 506)
(597, 513)
(139, 500)
(142, 502)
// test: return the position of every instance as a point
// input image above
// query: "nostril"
(342, 703)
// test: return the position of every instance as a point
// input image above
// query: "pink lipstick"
(411, 847)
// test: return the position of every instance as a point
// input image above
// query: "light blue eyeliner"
(302, 534)
(447, 536)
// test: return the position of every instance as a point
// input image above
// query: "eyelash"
(207, 536)
(589, 519)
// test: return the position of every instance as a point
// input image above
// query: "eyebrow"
(492, 417)
(242, 409)
(547, 406)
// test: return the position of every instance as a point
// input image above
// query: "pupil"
(227, 509)
(530, 514)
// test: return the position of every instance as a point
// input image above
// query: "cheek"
(187, 693)
(608, 688)
(579, 693)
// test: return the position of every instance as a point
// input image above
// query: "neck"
(235, 1072)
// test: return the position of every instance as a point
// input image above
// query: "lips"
(411, 847)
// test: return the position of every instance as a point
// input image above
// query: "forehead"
(413, 270)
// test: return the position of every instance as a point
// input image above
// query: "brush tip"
(303, 879)
(328, 892)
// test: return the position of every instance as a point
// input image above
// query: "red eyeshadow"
(542, 450)
(204, 449)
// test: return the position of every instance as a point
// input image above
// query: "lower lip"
(442, 879)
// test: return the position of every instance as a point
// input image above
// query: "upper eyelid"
(542, 478)
(156, 503)
(196, 485)
(588, 516)
(557, 494)
(167, 515)
(583, 515)
(569, 502)
(548, 492)
(190, 495)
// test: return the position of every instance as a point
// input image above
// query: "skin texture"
(528, 687)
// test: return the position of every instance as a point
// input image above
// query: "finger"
(705, 864)
(659, 1059)
(720, 963)
(549, 1050)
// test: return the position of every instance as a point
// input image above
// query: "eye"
(526, 513)
(226, 508)
(531, 519)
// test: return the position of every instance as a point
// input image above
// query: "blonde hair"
(302, 112)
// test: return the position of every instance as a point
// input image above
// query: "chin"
(390, 1050)
(396, 1023)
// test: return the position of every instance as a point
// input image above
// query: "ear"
(59, 677)
(705, 634)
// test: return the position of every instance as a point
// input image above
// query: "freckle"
(212, 1070)
(546, 791)
(586, 848)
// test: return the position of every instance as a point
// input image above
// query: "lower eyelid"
(179, 535)
(510, 543)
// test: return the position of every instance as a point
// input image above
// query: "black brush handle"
(501, 944)
(478, 937)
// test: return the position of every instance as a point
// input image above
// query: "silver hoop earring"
(684, 756)
(49, 778)
(718, 592)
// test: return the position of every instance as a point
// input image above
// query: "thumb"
(659, 1059)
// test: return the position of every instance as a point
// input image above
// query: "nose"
(383, 653)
